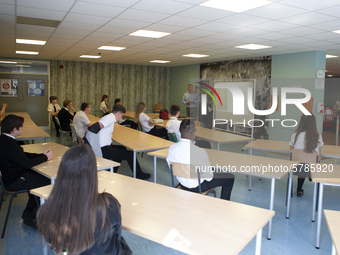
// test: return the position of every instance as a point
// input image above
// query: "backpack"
(163, 114)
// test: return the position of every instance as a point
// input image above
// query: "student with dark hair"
(16, 165)
(101, 142)
(103, 105)
(54, 108)
(118, 101)
(173, 124)
(148, 125)
(306, 137)
(124, 121)
(81, 122)
(65, 116)
(76, 218)
(186, 152)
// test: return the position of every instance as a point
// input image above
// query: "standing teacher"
(191, 99)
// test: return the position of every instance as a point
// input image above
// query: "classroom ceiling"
(288, 26)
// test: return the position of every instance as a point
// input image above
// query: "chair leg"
(7, 216)
(61, 137)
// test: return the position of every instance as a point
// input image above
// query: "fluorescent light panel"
(149, 33)
(27, 52)
(195, 55)
(253, 46)
(160, 61)
(331, 56)
(336, 31)
(235, 6)
(34, 42)
(111, 48)
(8, 62)
(89, 56)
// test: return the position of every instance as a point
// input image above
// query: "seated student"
(173, 124)
(16, 165)
(80, 220)
(81, 122)
(54, 108)
(2, 112)
(124, 121)
(65, 116)
(186, 152)
(148, 125)
(103, 105)
(101, 142)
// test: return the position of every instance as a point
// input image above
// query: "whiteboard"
(225, 111)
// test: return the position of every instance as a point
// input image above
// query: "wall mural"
(236, 70)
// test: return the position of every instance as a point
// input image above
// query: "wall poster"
(36, 87)
(9, 87)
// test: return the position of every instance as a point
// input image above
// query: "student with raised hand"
(76, 218)
(307, 138)
(148, 125)
(65, 116)
(186, 152)
(2, 112)
(103, 105)
(173, 124)
(16, 165)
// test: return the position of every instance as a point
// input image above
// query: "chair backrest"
(80, 140)
(157, 107)
(139, 127)
(58, 122)
(303, 157)
(172, 137)
(74, 134)
(185, 171)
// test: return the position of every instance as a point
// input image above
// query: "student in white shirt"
(53, 108)
(186, 152)
(148, 125)
(173, 124)
(103, 105)
(81, 122)
(306, 137)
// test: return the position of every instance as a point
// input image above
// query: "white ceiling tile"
(32, 28)
(124, 23)
(247, 31)
(216, 26)
(201, 12)
(196, 32)
(97, 9)
(86, 19)
(324, 36)
(164, 6)
(328, 26)
(144, 16)
(274, 26)
(40, 13)
(80, 26)
(7, 9)
(181, 37)
(310, 5)
(60, 5)
(307, 19)
(274, 36)
(275, 11)
(333, 11)
(164, 28)
(242, 20)
(301, 31)
(7, 2)
(116, 30)
(182, 21)
(7, 18)
(120, 3)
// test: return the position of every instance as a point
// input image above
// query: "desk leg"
(111, 169)
(271, 207)
(249, 185)
(337, 131)
(318, 232)
(258, 242)
(314, 201)
(333, 249)
(134, 163)
(52, 181)
(155, 169)
(45, 251)
(218, 146)
(45, 140)
(289, 192)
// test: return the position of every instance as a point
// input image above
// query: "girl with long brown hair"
(103, 105)
(306, 137)
(75, 217)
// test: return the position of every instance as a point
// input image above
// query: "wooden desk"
(185, 221)
(31, 130)
(138, 141)
(50, 168)
(93, 119)
(333, 222)
(239, 163)
(323, 178)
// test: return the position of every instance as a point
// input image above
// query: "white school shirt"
(300, 141)
(80, 121)
(186, 152)
(50, 108)
(144, 121)
(102, 105)
(173, 127)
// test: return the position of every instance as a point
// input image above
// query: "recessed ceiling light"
(149, 33)
(111, 48)
(89, 56)
(336, 31)
(8, 62)
(34, 42)
(195, 55)
(27, 52)
(235, 6)
(331, 56)
(253, 46)
(330, 75)
(160, 61)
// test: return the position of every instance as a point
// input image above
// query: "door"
(26, 93)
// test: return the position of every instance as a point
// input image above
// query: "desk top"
(185, 221)
(138, 140)
(50, 168)
(333, 222)
(328, 174)
(93, 119)
(242, 163)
